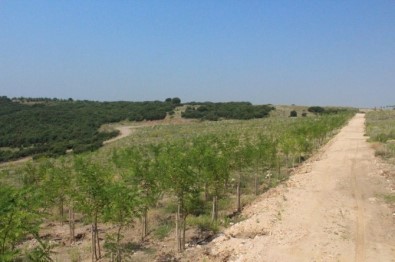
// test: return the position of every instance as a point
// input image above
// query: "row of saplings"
(123, 189)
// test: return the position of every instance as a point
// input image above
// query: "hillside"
(34, 127)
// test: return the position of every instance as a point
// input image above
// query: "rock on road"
(331, 210)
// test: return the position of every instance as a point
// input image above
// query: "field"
(170, 184)
(380, 127)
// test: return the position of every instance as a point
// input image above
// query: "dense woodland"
(229, 110)
(42, 126)
(194, 173)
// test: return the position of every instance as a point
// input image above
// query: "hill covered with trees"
(42, 126)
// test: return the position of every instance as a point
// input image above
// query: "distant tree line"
(326, 110)
(229, 110)
(51, 126)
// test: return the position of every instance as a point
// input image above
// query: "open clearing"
(332, 209)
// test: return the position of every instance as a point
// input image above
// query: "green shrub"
(163, 230)
(203, 223)
(293, 113)
(316, 109)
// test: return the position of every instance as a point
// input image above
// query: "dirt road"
(332, 210)
(124, 131)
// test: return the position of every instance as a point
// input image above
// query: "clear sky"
(309, 52)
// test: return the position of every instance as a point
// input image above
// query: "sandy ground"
(332, 209)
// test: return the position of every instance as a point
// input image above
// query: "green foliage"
(230, 110)
(194, 205)
(203, 223)
(18, 218)
(140, 166)
(115, 250)
(92, 181)
(329, 110)
(163, 230)
(124, 205)
(389, 198)
(316, 109)
(93, 196)
(176, 101)
(293, 113)
(41, 253)
(181, 162)
(380, 126)
(50, 127)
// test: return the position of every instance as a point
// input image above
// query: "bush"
(176, 101)
(163, 230)
(203, 223)
(293, 113)
(316, 109)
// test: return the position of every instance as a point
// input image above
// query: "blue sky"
(281, 52)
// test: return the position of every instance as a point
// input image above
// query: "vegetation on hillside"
(380, 127)
(229, 110)
(51, 126)
(196, 168)
(327, 110)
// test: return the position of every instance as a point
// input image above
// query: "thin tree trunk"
(95, 239)
(118, 255)
(256, 184)
(214, 217)
(71, 224)
(279, 168)
(238, 196)
(183, 231)
(98, 241)
(144, 224)
(205, 191)
(94, 256)
(61, 210)
(178, 227)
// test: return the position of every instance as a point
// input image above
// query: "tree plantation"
(196, 177)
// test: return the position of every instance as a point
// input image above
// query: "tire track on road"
(360, 217)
